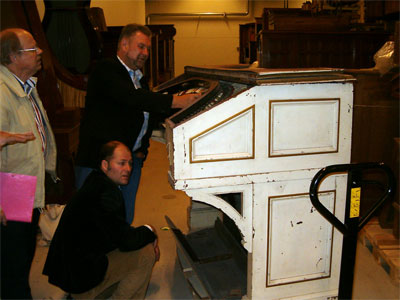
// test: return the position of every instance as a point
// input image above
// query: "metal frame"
(352, 220)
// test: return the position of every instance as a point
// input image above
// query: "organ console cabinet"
(294, 38)
(261, 135)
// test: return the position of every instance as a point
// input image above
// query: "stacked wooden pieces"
(384, 246)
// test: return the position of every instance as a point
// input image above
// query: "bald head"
(116, 162)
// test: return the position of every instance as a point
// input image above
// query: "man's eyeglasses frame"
(36, 49)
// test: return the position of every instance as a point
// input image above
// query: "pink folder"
(17, 193)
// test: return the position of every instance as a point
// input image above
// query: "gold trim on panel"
(217, 125)
(268, 238)
(300, 100)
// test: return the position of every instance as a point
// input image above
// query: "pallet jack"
(353, 223)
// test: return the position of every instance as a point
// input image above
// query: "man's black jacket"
(114, 111)
(92, 224)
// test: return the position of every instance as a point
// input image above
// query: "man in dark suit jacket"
(93, 246)
(120, 107)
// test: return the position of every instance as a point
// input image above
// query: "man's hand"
(155, 243)
(7, 138)
(184, 100)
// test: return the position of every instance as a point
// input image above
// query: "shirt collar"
(137, 73)
(29, 85)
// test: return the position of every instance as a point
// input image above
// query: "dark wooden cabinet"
(378, 10)
(248, 41)
(161, 65)
(297, 38)
(297, 19)
(70, 34)
(301, 49)
(375, 134)
(375, 117)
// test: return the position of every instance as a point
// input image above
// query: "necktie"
(135, 79)
(38, 121)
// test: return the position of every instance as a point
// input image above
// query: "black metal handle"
(349, 168)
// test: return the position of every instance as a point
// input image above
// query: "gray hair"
(131, 29)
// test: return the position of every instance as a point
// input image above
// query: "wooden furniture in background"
(297, 19)
(375, 126)
(334, 37)
(298, 38)
(248, 41)
(396, 169)
(301, 49)
(70, 34)
(378, 10)
(375, 117)
(161, 65)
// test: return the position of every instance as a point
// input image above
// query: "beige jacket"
(16, 115)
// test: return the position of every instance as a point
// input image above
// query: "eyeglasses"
(36, 49)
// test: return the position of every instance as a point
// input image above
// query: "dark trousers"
(18, 244)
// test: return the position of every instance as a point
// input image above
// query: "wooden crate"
(373, 236)
(384, 246)
(389, 259)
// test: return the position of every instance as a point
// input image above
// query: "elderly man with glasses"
(22, 112)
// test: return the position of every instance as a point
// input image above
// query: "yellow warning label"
(355, 202)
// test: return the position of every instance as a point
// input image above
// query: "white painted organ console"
(263, 134)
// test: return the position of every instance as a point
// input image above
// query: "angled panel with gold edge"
(231, 139)
(301, 127)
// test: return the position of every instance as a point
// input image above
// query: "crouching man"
(94, 247)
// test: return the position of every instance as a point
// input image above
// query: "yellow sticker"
(355, 202)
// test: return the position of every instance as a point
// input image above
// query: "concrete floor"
(156, 199)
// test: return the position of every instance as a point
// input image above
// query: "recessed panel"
(299, 239)
(299, 127)
(228, 140)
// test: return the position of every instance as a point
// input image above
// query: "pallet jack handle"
(353, 223)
